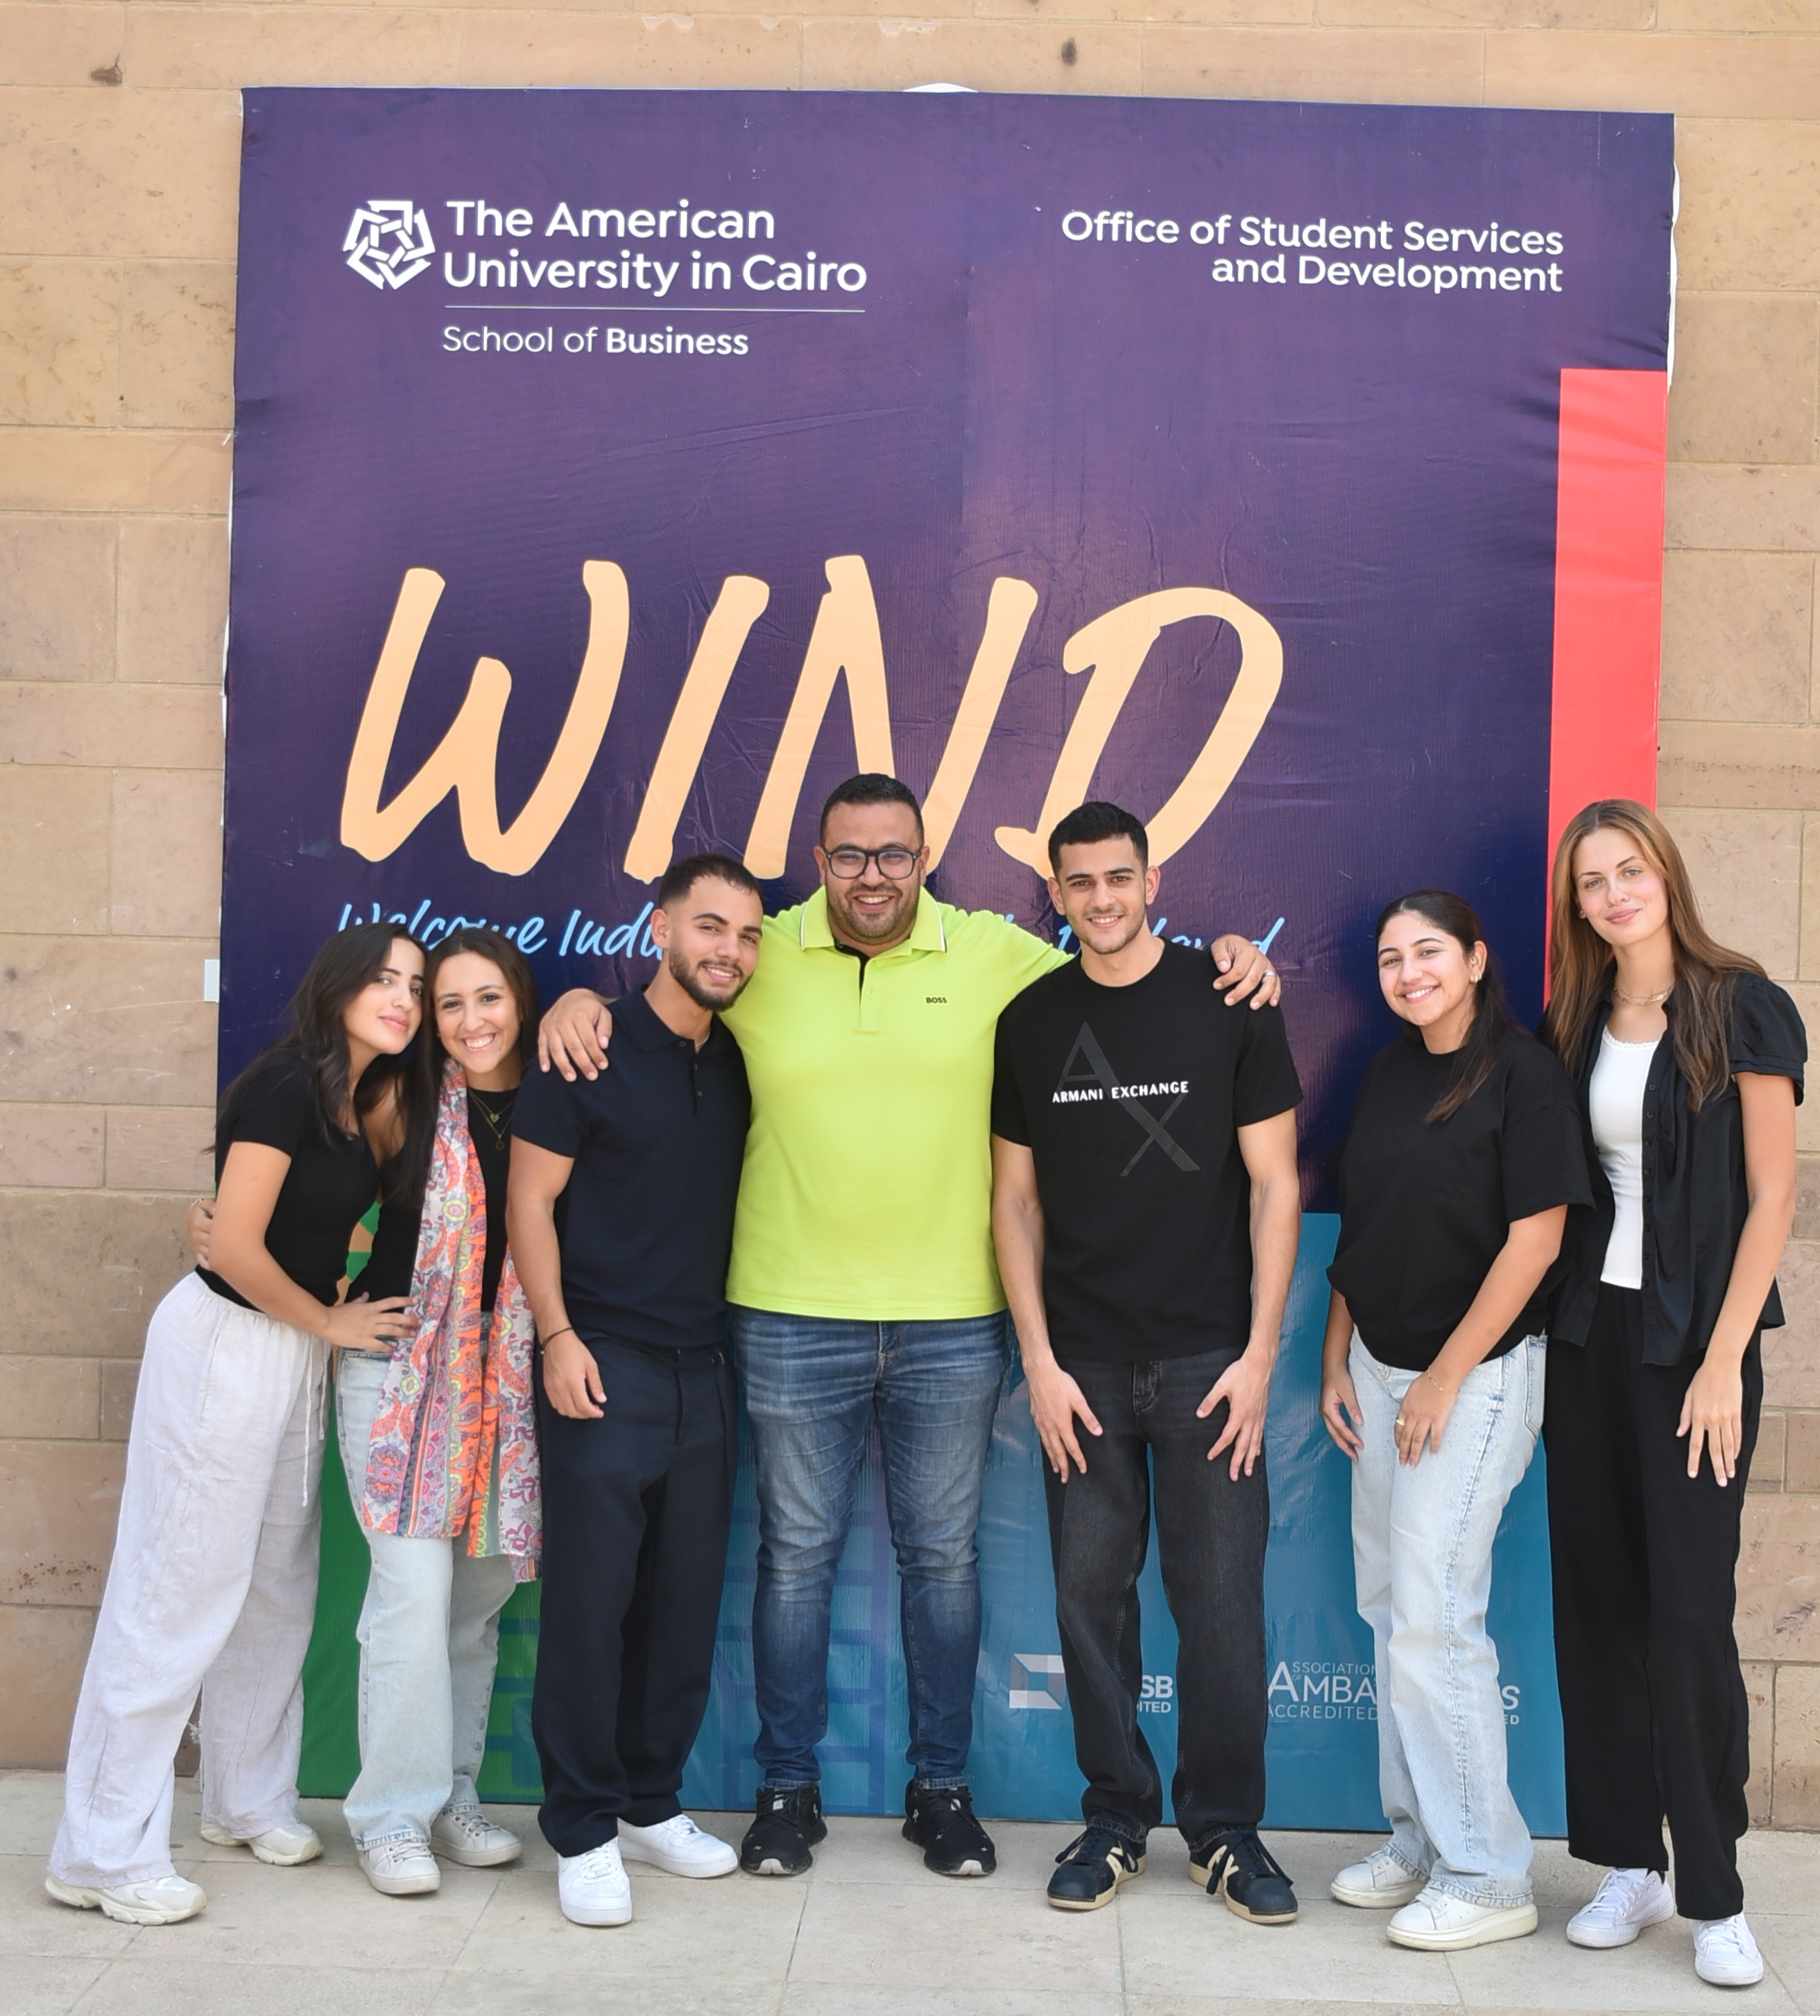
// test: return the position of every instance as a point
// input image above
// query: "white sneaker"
(400, 1868)
(1438, 1922)
(284, 1847)
(679, 1846)
(1627, 1900)
(164, 1900)
(1725, 1954)
(465, 1834)
(593, 1889)
(1380, 1883)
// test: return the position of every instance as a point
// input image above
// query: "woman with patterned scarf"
(438, 1435)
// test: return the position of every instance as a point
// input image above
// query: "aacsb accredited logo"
(389, 242)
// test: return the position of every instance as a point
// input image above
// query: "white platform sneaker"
(162, 1900)
(1626, 1901)
(465, 1834)
(1437, 1922)
(284, 1847)
(400, 1868)
(1725, 1954)
(593, 1889)
(1380, 1883)
(679, 1846)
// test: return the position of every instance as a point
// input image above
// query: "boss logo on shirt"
(936, 1000)
(1097, 1080)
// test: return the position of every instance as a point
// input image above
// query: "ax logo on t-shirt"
(1096, 1080)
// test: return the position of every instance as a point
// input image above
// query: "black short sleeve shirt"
(331, 1182)
(646, 1221)
(1130, 1099)
(1425, 1206)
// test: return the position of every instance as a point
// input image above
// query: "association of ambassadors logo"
(389, 242)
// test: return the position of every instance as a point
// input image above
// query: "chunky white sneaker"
(1626, 1901)
(400, 1868)
(163, 1900)
(1380, 1883)
(679, 1846)
(284, 1847)
(1725, 1954)
(593, 1889)
(465, 1834)
(1437, 1922)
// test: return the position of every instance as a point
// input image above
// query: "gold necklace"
(1643, 1000)
(499, 1125)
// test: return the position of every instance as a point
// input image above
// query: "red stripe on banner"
(1608, 589)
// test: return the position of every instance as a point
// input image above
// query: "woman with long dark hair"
(1463, 1155)
(213, 1578)
(439, 1437)
(438, 1432)
(1688, 1062)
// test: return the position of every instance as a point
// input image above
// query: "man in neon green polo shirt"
(864, 1287)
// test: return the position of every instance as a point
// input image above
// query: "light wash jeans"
(1422, 1551)
(428, 1636)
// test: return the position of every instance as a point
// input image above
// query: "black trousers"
(1211, 1533)
(636, 1506)
(1657, 1720)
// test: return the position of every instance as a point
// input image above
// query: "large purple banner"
(616, 471)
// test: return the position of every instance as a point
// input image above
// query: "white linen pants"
(212, 1584)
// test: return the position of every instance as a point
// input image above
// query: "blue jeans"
(1421, 1550)
(813, 1387)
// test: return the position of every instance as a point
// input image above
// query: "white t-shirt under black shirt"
(1616, 1099)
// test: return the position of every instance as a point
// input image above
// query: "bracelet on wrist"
(570, 1328)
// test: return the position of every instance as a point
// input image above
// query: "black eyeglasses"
(898, 863)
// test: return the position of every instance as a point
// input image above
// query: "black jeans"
(636, 1506)
(1654, 1712)
(1211, 1534)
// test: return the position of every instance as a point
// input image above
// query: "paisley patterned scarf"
(454, 1447)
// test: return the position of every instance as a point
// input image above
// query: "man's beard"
(687, 974)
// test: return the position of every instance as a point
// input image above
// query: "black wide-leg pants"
(1655, 1714)
(636, 1506)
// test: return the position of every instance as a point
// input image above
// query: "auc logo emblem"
(389, 242)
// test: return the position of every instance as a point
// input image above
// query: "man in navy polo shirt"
(621, 1219)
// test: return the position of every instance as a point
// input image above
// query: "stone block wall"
(119, 136)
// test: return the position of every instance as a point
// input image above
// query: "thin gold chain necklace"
(499, 1125)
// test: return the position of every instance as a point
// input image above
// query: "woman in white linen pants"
(1463, 1155)
(213, 1578)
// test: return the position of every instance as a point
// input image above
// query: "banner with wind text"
(615, 472)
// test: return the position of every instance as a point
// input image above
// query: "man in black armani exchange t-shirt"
(1145, 1209)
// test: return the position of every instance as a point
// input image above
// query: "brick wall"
(119, 130)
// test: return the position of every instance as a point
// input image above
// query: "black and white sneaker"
(787, 1825)
(1235, 1865)
(1089, 1870)
(941, 1824)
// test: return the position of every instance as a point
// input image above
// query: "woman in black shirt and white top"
(213, 1578)
(1688, 1062)
(1463, 1155)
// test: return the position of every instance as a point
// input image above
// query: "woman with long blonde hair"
(1689, 1061)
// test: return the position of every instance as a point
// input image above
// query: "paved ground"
(871, 1933)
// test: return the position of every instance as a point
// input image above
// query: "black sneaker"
(1089, 1870)
(1237, 1866)
(941, 1824)
(787, 1825)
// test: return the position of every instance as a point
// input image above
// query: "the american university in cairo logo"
(389, 242)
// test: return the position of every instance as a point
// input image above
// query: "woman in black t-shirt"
(213, 1573)
(437, 1433)
(1463, 1155)
(1688, 1062)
